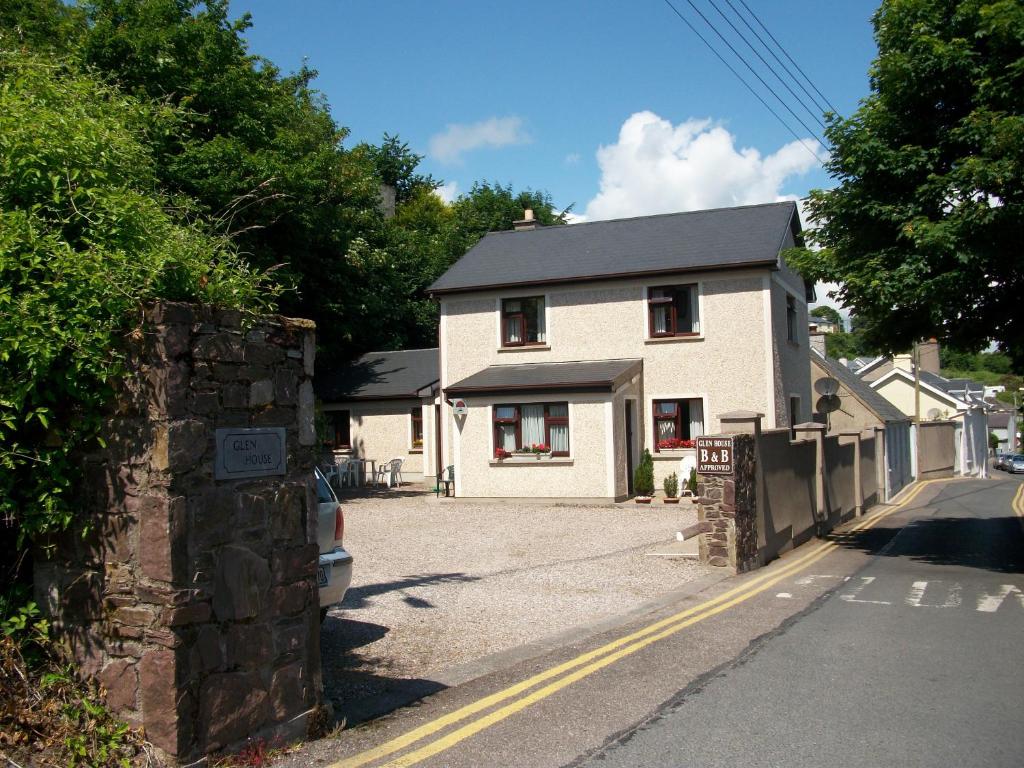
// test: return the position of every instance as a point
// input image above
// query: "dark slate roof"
(664, 244)
(999, 420)
(885, 410)
(381, 376)
(585, 376)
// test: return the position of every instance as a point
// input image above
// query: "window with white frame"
(532, 426)
(677, 422)
(673, 310)
(522, 321)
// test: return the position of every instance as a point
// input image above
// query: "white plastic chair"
(350, 472)
(381, 475)
(396, 472)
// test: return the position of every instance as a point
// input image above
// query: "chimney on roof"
(904, 362)
(525, 223)
(817, 339)
(929, 352)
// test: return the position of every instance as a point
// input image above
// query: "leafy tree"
(490, 207)
(41, 25)
(924, 227)
(396, 165)
(85, 238)
(828, 313)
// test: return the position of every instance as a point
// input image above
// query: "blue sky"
(529, 92)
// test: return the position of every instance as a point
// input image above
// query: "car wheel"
(323, 615)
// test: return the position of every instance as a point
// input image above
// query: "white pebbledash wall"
(736, 363)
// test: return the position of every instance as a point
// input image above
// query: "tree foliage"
(828, 313)
(85, 238)
(924, 227)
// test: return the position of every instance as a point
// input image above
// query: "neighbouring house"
(565, 351)
(846, 402)
(959, 400)
(1003, 424)
(823, 325)
(383, 406)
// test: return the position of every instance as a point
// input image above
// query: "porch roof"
(399, 375)
(576, 376)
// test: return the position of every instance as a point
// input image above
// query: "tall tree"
(924, 228)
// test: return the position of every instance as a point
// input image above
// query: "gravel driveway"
(437, 585)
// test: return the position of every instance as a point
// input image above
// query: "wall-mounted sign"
(249, 453)
(714, 456)
(459, 407)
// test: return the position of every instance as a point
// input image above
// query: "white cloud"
(448, 192)
(573, 158)
(573, 218)
(658, 167)
(458, 138)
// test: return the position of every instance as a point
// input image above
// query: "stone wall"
(194, 601)
(783, 490)
(728, 511)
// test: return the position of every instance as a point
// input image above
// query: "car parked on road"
(1015, 464)
(334, 568)
(1002, 460)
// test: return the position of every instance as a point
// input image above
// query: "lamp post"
(1016, 416)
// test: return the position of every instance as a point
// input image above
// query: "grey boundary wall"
(194, 601)
(786, 488)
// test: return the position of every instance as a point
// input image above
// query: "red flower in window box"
(501, 453)
(673, 443)
(539, 448)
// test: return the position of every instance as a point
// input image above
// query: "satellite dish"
(934, 414)
(828, 403)
(827, 387)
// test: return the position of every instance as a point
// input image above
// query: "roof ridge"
(581, 224)
(395, 351)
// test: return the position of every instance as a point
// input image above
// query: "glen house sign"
(249, 453)
(714, 456)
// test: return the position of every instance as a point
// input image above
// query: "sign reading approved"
(714, 455)
(249, 453)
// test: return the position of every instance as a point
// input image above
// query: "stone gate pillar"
(193, 599)
(727, 505)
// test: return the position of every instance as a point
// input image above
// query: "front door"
(629, 447)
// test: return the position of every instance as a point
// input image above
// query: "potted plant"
(691, 484)
(501, 453)
(643, 479)
(672, 489)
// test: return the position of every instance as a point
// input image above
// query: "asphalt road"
(898, 642)
(916, 660)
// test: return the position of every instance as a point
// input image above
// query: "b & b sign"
(714, 456)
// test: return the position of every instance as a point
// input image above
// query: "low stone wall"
(782, 491)
(194, 600)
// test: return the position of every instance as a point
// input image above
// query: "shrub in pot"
(691, 484)
(643, 478)
(672, 489)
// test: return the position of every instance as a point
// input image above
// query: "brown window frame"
(521, 318)
(681, 428)
(417, 427)
(517, 420)
(690, 291)
(335, 421)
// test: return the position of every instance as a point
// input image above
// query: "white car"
(334, 569)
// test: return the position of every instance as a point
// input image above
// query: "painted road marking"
(594, 660)
(916, 596)
(991, 603)
(851, 597)
(785, 595)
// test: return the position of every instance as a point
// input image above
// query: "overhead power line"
(821, 108)
(812, 112)
(753, 71)
(784, 53)
(739, 77)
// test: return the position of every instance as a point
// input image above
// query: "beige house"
(565, 351)
(383, 406)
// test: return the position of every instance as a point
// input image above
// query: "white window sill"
(673, 339)
(565, 461)
(527, 348)
(673, 453)
(415, 450)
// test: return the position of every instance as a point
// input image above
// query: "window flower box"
(501, 454)
(674, 443)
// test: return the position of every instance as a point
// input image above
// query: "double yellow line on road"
(588, 663)
(1018, 503)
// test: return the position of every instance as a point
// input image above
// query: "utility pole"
(916, 359)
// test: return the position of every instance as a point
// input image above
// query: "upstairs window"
(522, 321)
(673, 310)
(676, 422)
(522, 427)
